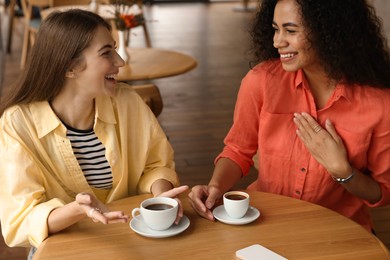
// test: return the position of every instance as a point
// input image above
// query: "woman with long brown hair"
(72, 139)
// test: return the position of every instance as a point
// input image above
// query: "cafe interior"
(203, 50)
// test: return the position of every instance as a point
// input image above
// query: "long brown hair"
(61, 39)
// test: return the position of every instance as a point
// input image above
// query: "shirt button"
(303, 170)
(298, 192)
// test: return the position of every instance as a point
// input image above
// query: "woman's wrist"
(160, 186)
(347, 179)
(344, 176)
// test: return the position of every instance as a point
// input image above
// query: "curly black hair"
(347, 36)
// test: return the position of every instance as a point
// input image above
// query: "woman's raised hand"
(97, 211)
(324, 144)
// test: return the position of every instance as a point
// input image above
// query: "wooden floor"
(198, 105)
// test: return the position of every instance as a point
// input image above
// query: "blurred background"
(197, 105)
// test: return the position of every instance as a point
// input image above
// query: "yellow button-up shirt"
(39, 172)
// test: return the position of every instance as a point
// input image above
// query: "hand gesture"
(99, 212)
(324, 144)
(203, 198)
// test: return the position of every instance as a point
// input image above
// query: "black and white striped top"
(90, 154)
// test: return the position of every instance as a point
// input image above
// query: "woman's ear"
(70, 74)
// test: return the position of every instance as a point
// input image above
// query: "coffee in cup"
(158, 213)
(236, 203)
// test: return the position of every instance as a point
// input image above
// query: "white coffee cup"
(158, 213)
(236, 203)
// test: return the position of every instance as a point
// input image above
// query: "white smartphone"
(258, 252)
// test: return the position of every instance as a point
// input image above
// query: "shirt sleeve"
(24, 209)
(159, 163)
(241, 143)
(379, 156)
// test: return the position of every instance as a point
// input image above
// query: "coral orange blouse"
(263, 122)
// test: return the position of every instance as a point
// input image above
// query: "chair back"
(152, 97)
(27, 6)
(31, 23)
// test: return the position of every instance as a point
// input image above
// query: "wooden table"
(292, 228)
(151, 63)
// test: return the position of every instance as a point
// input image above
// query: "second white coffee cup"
(236, 203)
(158, 213)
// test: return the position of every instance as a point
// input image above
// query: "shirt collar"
(46, 120)
(105, 110)
(298, 78)
(344, 91)
(341, 89)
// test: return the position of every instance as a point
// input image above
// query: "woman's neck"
(75, 113)
(321, 86)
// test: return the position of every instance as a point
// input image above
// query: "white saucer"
(251, 215)
(138, 226)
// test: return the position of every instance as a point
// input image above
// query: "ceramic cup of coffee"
(158, 213)
(236, 203)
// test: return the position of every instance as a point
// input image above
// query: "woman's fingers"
(83, 198)
(198, 197)
(174, 192)
(332, 131)
(180, 212)
(110, 217)
(116, 217)
(98, 211)
(307, 124)
(206, 213)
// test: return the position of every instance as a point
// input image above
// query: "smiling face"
(95, 74)
(290, 38)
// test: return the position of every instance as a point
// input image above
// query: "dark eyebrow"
(286, 24)
(105, 46)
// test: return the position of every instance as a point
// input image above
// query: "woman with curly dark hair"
(316, 108)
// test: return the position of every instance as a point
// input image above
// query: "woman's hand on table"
(203, 198)
(97, 211)
(173, 193)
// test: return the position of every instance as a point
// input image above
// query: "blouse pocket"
(356, 144)
(277, 134)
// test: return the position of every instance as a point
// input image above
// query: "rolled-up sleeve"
(241, 143)
(379, 158)
(159, 161)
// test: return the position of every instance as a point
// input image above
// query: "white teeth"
(288, 55)
(111, 76)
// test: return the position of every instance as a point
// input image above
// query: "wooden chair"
(152, 97)
(31, 25)
(145, 28)
(11, 16)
